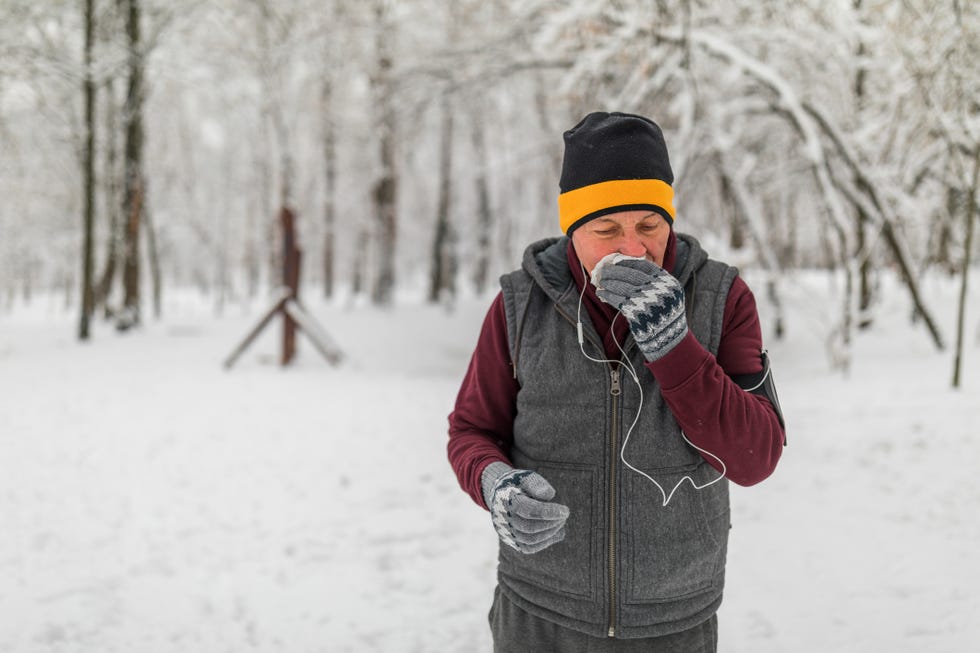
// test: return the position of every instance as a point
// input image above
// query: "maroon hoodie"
(740, 428)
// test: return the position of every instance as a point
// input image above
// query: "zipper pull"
(615, 390)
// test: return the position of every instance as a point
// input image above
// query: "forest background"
(149, 145)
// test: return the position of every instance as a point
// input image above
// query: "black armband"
(761, 383)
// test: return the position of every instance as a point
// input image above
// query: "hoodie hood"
(546, 261)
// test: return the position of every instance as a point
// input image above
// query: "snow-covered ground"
(151, 501)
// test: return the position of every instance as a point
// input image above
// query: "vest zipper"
(615, 390)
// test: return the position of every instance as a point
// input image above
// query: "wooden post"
(290, 279)
(294, 316)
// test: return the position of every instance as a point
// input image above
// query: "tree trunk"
(943, 255)
(330, 185)
(88, 174)
(262, 251)
(484, 218)
(386, 187)
(863, 220)
(223, 240)
(864, 272)
(133, 192)
(442, 284)
(384, 200)
(111, 192)
(736, 237)
(971, 219)
(130, 314)
(156, 280)
(359, 281)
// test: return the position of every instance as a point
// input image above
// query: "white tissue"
(609, 259)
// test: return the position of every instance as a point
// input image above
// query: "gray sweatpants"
(516, 631)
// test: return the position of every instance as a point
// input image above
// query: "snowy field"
(153, 502)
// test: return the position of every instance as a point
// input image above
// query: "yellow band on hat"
(582, 202)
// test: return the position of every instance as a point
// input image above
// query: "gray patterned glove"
(520, 506)
(650, 299)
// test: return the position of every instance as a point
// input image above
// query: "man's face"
(633, 233)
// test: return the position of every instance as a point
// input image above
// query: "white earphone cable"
(636, 379)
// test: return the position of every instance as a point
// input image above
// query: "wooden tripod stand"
(287, 304)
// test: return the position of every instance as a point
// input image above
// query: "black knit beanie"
(614, 162)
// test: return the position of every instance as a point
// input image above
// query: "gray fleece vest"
(628, 567)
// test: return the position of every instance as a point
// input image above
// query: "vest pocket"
(678, 550)
(568, 567)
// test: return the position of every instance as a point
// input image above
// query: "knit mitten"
(650, 299)
(520, 505)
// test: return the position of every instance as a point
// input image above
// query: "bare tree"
(385, 192)
(863, 220)
(971, 220)
(88, 175)
(329, 183)
(134, 182)
(484, 214)
(333, 53)
(442, 277)
(110, 189)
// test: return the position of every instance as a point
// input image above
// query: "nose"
(632, 247)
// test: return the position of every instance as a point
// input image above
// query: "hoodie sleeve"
(481, 426)
(742, 429)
